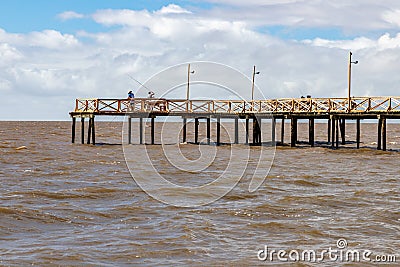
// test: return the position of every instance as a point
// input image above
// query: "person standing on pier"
(131, 97)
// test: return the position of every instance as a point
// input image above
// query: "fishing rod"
(139, 82)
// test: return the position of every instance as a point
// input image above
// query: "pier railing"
(283, 105)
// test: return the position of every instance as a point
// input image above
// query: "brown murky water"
(73, 204)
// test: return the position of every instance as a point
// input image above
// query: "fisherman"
(131, 97)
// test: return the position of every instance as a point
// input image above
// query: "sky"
(52, 52)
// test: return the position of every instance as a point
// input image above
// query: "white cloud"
(9, 54)
(51, 64)
(67, 15)
(173, 9)
(384, 42)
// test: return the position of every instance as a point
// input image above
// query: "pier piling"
(141, 130)
(380, 122)
(93, 132)
(329, 131)
(184, 130)
(311, 132)
(293, 132)
(208, 130)
(73, 129)
(152, 130)
(82, 130)
(218, 131)
(383, 130)
(273, 131)
(129, 130)
(343, 130)
(89, 136)
(358, 133)
(247, 130)
(196, 130)
(236, 130)
(337, 132)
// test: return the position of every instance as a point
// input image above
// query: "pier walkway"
(335, 110)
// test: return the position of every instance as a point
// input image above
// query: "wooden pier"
(336, 111)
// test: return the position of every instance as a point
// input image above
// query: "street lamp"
(349, 95)
(252, 86)
(188, 81)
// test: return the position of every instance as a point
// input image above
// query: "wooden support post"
(293, 132)
(311, 132)
(89, 136)
(141, 131)
(333, 127)
(329, 131)
(259, 130)
(196, 130)
(82, 130)
(236, 130)
(273, 131)
(337, 132)
(384, 134)
(184, 130)
(73, 130)
(208, 130)
(152, 130)
(379, 134)
(283, 131)
(218, 131)
(256, 132)
(358, 133)
(93, 132)
(343, 130)
(129, 130)
(247, 130)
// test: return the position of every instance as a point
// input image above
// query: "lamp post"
(188, 81)
(252, 85)
(349, 92)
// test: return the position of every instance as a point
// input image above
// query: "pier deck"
(335, 110)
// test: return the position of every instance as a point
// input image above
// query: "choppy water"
(73, 204)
